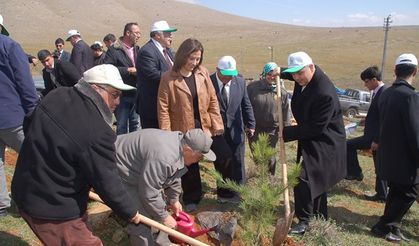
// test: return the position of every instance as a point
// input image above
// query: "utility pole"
(271, 48)
(387, 22)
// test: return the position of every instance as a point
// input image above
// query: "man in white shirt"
(154, 59)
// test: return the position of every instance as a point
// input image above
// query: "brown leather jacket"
(175, 106)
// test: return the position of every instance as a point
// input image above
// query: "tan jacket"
(175, 106)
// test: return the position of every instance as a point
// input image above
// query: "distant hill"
(342, 52)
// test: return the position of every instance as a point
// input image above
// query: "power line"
(386, 27)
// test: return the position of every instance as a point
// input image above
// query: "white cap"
(162, 26)
(297, 61)
(407, 59)
(98, 43)
(106, 74)
(3, 29)
(72, 33)
(227, 66)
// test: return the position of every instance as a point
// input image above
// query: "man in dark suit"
(321, 138)
(60, 53)
(123, 54)
(398, 150)
(154, 59)
(372, 80)
(237, 114)
(57, 73)
(81, 55)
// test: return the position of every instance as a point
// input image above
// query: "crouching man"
(68, 149)
(151, 163)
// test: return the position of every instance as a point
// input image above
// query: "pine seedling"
(260, 196)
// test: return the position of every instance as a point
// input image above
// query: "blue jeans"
(126, 117)
(12, 137)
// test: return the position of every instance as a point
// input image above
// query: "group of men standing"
(65, 154)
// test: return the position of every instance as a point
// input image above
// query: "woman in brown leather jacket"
(186, 100)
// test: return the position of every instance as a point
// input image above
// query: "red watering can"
(185, 225)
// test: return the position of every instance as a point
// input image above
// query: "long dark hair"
(187, 47)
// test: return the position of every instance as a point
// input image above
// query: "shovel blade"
(281, 229)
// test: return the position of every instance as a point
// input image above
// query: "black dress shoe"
(359, 177)
(380, 230)
(3, 212)
(395, 235)
(299, 228)
(375, 198)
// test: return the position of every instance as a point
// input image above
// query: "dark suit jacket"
(398, 152)
(66, 74)
(150, 66)
(65, 56)
(117, 56)
(320, 132)
(82, 56)
(239, 112)
(371, 129)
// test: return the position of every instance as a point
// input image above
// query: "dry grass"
(342, 52)
(351, 216)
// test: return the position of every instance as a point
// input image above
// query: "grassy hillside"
(342, 52)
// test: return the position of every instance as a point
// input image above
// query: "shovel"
(159, 226)
(283, 224)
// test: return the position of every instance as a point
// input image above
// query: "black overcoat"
(66, 74)
(320, 132)
(398, 151)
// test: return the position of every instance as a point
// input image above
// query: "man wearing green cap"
(321, 138)
(237, 113)
(265, 102)
(155, 58)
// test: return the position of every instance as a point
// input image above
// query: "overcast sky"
(328, 13)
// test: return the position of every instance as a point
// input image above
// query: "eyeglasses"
(136, 33)
(59, 45)
(115, 94)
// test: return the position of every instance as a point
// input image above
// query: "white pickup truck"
(355, 102)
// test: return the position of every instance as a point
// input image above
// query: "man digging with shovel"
(68, 149)
(321, 138)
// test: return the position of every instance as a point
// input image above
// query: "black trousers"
(224, 162)
(191, 185)
(191, 181)
(353, 168)
(352, 145)
(149, 123)
(307, 207)
(399, 200)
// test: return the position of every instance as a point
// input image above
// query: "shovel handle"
(282, 157)
(147, 221)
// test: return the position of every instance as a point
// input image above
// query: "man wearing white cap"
(321, 138)
(69, 149)
(398, 147)
(237, 114)
(3, 29)
(81, 55)
(154, 59)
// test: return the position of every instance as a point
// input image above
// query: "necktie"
(224, 96)
(167, 58)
